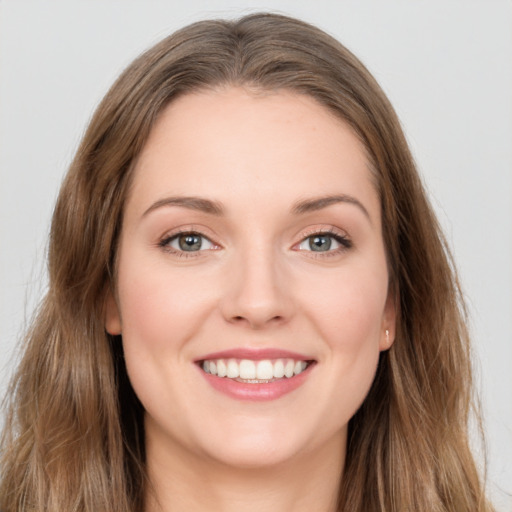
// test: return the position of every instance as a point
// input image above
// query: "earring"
(387, 337)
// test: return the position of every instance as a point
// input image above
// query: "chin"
(254, 444)
(253, 453)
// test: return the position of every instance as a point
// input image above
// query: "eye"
(324, 242)
(187, 242)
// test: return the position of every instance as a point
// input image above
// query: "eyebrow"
(215, 208)
(315, 204)
(192, 203)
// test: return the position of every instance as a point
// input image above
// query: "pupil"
(190, 242)
(320, 243)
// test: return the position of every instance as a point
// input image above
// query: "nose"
(256, 293)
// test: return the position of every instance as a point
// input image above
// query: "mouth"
(255, 375)
(248, 371)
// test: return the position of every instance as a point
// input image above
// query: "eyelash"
(164, 243)
(344, 242)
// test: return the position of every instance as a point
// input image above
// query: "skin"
(256, 283)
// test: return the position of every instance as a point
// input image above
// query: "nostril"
(255, 321)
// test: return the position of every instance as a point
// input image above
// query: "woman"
(251, 304)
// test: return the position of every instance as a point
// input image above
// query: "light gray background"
(446, 65)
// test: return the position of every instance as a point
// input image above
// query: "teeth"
(299, 367)
(247, 369)
(288, 368)
(222, 369)
(265, 370)
(233, 369)
(279, 369)
(254, 371)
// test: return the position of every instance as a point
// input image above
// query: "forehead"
(232, 143)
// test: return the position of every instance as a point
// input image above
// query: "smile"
(255, 375)
(255, 372)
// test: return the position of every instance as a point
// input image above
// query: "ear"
(112, 316)
(388, 330)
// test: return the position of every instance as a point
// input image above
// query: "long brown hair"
(74, 435)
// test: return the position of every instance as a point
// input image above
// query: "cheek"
(161, 311)
(160, 307)
(347, 307)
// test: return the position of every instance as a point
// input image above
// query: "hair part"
(74, 437)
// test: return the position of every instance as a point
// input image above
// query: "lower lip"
(257, 392)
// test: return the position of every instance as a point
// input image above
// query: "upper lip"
(255, 354)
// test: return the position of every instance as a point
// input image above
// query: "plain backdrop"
(446, 66)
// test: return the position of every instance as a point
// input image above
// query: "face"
(252, 284)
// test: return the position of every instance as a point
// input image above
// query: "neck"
(187, 482)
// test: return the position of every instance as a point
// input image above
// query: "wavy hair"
(74, 434)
